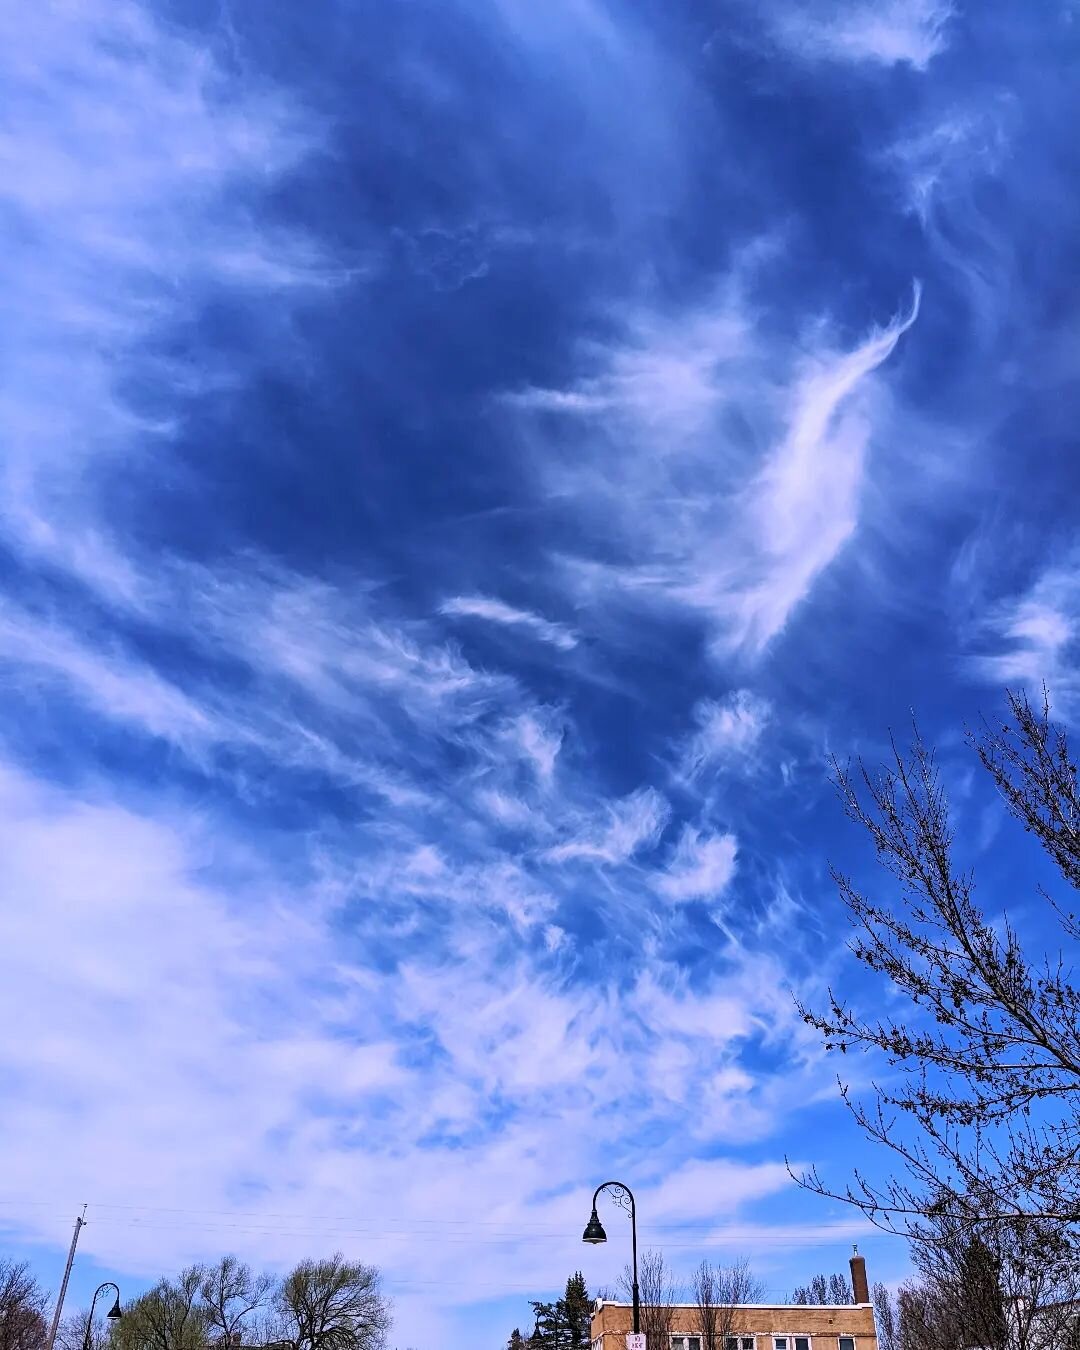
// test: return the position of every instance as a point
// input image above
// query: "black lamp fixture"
(114, 1313)
(594, 1232)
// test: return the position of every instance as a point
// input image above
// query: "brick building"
(758, 1326)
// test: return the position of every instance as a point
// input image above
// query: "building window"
(802, 1343)
(685, 1343)
(780, 1343)
(738, 1343)
(845, 1343)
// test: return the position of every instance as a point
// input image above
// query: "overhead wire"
(317, 1224)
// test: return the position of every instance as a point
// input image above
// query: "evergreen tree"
(577, 1306)
(565, 1324)
(516, 1341)
(549, 1332)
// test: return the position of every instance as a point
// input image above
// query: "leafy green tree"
(167, 1317)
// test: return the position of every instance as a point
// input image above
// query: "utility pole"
(80, 1224)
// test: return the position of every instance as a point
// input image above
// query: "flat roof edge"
(830, 1307)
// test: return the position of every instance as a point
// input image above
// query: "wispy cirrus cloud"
(805, 499)
(112, 684)
(667, 376)
(617, 832)
(701, 866)
(1033, 638)
(154, 940)
(893, 32)
(265, 805)
(727, 730)
(735, 529)
(129, 183)
(487, 608)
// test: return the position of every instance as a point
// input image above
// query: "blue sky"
(465, 467)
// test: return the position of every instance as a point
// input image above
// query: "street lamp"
(114, 1314)
(594, 1231)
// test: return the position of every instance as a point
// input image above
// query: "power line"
(511, 1228)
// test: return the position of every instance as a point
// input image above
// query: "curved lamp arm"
(594, 1232)
(113, 1313)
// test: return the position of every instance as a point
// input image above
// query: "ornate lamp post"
(113, 1314)
(594, 1231)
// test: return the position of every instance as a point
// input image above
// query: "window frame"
(739, 1338)
(684, 1338)
(854, 1345)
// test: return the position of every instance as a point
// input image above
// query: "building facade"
(756, 1326)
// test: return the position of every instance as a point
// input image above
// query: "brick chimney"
(859, 1287)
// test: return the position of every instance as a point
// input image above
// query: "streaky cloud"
(1032, 639)
(805, 499)
(886, 33)
(617, 833)
(498, 612)
(130, 186)
(736, 533)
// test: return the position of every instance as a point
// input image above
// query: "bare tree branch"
(982, 1108)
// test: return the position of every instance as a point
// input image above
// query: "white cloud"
(804, 501)
(119, 174)
(701, 867)
(536, 739)
(323, 1020)
(179, 994)
(112, 685)
(495, 611)
(728, 730)
(709, 1189)
(506, 809)
(733, 498)
(885, 32)
(667, 376)
(618, 832)
(334, 646)
(1034, 638)
(325, 669)
(950, 148)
